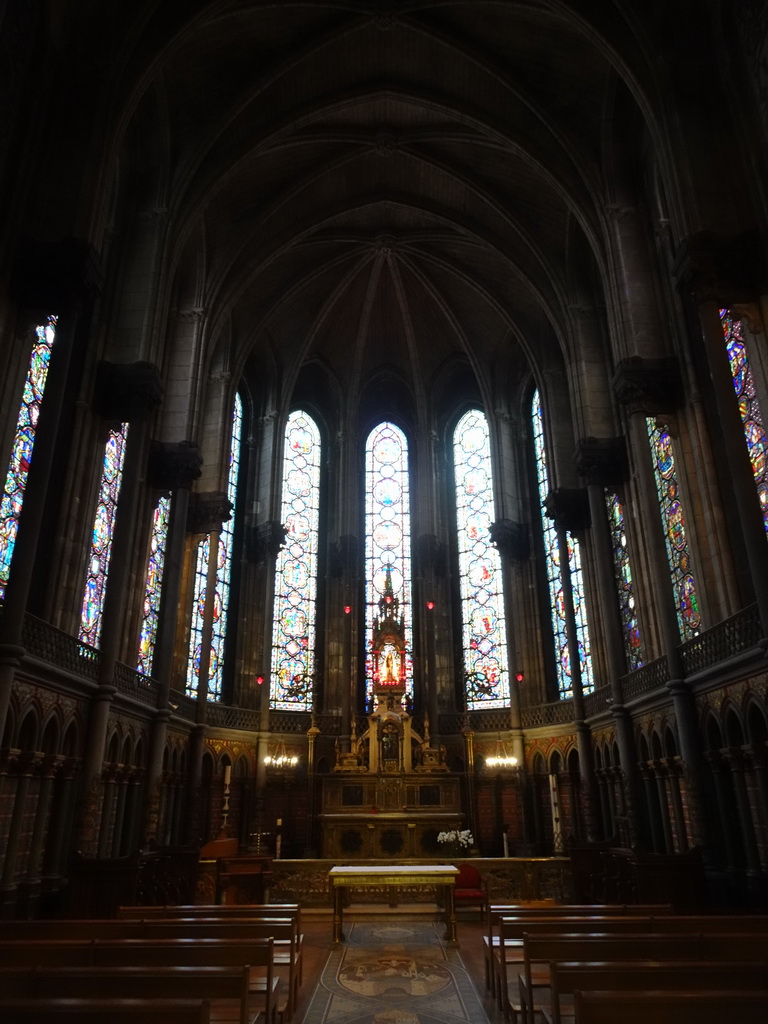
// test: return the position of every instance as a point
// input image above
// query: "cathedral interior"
(384, 432)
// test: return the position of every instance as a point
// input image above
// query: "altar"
(393, 876)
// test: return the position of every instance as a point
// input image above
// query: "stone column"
(433, 568)
(653, 388)
(49, 278)
(512, 540)
(124, 393)
(735, 759)
(172, 467)
(28, 764)
(603, 463)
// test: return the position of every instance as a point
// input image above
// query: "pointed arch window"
(388, 539)
(153, 585)
(23, 444)
(484, 636)
(622, 570)
(100, 555)
(220, 572)
(673, 524)
(749, 408)
(294, 617)
(554, 572)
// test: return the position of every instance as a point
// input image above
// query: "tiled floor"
(317, 946)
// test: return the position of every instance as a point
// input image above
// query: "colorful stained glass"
(555, 578)
(673, 523)
(293, 631)
(622, 571)
(198, 617)
(749, 408)
(23, 444)
(153, 585)
(388, 537)
(102, 536)
(480, 580)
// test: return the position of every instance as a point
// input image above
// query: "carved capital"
(265, 541)
(126, 391)
(649, 386)
(720, 268)
(195, 315)
(173, 464)
(207, 511)
(568, 508)
(602, 460)
(511, 539)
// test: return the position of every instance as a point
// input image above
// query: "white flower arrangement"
(461, 838)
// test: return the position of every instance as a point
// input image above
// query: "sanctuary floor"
(317, 927)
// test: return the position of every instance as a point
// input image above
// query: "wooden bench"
(226, 911)
(99, 1011)
(226, 988)
(566, 977)
(284, 931)
(257, 954)
(701, 1007)
(548, 911)
(543, 948)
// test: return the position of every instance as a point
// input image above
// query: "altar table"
(348, 876)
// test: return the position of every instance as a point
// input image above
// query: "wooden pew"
(257, 954)
(226, 988)
(226, 911)
(549, 910)
(543, 948)
(284, 931)
(626, 975)
(97, 1011)
(643, 1007)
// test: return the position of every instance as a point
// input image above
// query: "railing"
(227, 717)
(643, 680)
(136, 685)
(739, 633)
(558, 713)
(598, 701)
(182, 705)
(53, 645)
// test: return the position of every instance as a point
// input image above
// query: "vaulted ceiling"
(370, 186)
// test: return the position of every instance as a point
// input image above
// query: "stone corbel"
(207, 511)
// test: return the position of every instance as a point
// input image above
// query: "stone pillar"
(569, 510)
(49, 278)
(124, 393)
(433, 568)
(603, 463)
(512, 541)
(735, 758)
(673, 775)
(28, 764)
(653, 388)
(172, 467)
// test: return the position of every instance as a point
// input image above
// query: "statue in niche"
(390, 744)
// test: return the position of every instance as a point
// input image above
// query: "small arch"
(138, 753)
(127, 755)
(643, 749)
(539, 765)
(757, 727)
(574, 763)
(29, 731)
(241, 767)
(734, 733)
(713, 733)
(656, 748)
(207, 767)
(598, 758)
(670, 742)
(70, 743)
(555, 762)
(51, 732)
(112, 749)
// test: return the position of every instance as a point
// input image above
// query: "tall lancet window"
(622, 571)
(484, 634)
(101, 538)
(153, 585)
(552, 553)
(222, 552)
(388, 540)
(673, 523)
(293, 630)
(23, 444)
(749, 408)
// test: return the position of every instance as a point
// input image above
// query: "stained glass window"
(751, 417)
(293, 636)
(220, 596)
(555, 577)
(153, 585)
(673, 523)
(102, 536)
(198, 616)
(480, 581)
(388, 537)
(623, 575)
(23, 444)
